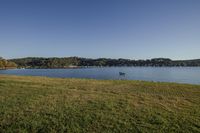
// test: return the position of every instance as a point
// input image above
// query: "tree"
(6, 64)
(11, 64)
(1, 64)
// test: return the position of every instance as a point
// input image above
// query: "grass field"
(41, 104)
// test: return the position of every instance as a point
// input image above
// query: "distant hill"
(4, 64)
(195, 62)
(35, 62)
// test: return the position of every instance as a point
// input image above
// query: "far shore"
(82, 67)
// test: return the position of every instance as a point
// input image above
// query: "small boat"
(122, 74)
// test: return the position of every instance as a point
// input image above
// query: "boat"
(122, 74)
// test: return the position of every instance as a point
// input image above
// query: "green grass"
(41, 104)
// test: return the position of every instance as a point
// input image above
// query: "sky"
(133, 29)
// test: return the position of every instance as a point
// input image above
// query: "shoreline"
(93, 79)
(82, 67)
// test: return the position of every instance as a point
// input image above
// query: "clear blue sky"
(135, 29)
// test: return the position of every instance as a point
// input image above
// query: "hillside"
(4, 64)
(34, 62)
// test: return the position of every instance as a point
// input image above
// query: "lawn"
(41, 104)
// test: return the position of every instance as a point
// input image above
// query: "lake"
(189, 75)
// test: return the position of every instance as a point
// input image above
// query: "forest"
(66, 62)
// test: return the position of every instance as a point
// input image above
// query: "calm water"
(165, 74)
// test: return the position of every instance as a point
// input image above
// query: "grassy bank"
(40, 104)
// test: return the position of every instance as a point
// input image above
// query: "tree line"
(34, 62)
(4, 64)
